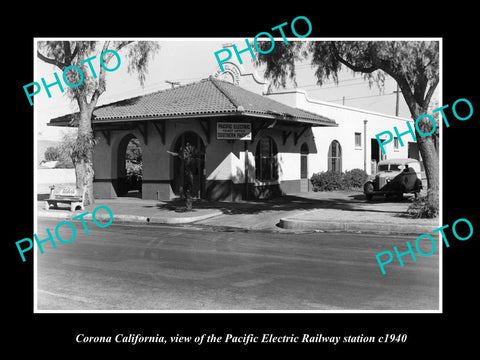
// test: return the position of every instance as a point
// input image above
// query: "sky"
(190, 60)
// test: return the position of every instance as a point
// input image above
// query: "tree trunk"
(84, 155)
(428, 150)
(430, 160)
(84, 175)
(188, 184)
(417, 102)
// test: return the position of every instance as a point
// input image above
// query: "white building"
(353, 143)
(350, 145)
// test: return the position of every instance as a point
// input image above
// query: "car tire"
(368, 190)
(399, 195)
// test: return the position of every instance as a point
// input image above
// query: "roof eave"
(312, 122)
(148, 118)
(163, 117)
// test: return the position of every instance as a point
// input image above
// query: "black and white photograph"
(274, 188)
(232, 185)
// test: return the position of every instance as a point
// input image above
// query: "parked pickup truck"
(394, 178)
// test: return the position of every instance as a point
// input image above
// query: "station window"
(266, 165)
(395, 143)
(358, 140)
(335, 156)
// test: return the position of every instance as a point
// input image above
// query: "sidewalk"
(134, 210)
(314, 211)
(327, 211)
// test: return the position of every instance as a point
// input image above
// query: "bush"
(133, 169)
(327, 181)
(64, 164)
(354, 179)
(331, 180)
(425, 207)
(52, 154)
(134, 151)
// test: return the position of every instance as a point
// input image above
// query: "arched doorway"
(189, 164)
(266, 163)
(304, 167)
(129, 167)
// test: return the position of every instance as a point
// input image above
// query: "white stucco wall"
(47, 177)
(350, 121)
(289, 166)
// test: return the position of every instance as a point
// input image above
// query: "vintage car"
(395, 177)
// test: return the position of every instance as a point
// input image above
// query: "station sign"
(234, 131)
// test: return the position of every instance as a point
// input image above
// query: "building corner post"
(365, 145)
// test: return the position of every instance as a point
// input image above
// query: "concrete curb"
(289, 223)
(378, 228)
(128, 219)
(184, 220)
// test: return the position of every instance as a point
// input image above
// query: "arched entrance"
(335, 157)
(189, 165)
(266, 162)
(304, 167)
(129, 167)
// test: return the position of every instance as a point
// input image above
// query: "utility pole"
(173, 83)
(396, 103)
(246, 169)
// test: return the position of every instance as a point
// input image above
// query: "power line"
(318, 88)
(361, 81)
(156, 86)
(321, 87)
(397, 92)
(173, 83)
(360, 97)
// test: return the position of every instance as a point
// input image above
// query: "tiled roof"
(208, 96)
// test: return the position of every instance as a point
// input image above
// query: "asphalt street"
(196, 268)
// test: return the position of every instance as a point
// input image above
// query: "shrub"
(64, 164)
(52, 154)
(354, 179)
(330, 180)
(133, 169)
(425, 207)
(327, 181)
(134, 151)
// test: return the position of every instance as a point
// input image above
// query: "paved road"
(193, 268)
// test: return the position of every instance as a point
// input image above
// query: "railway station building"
(249, 143)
